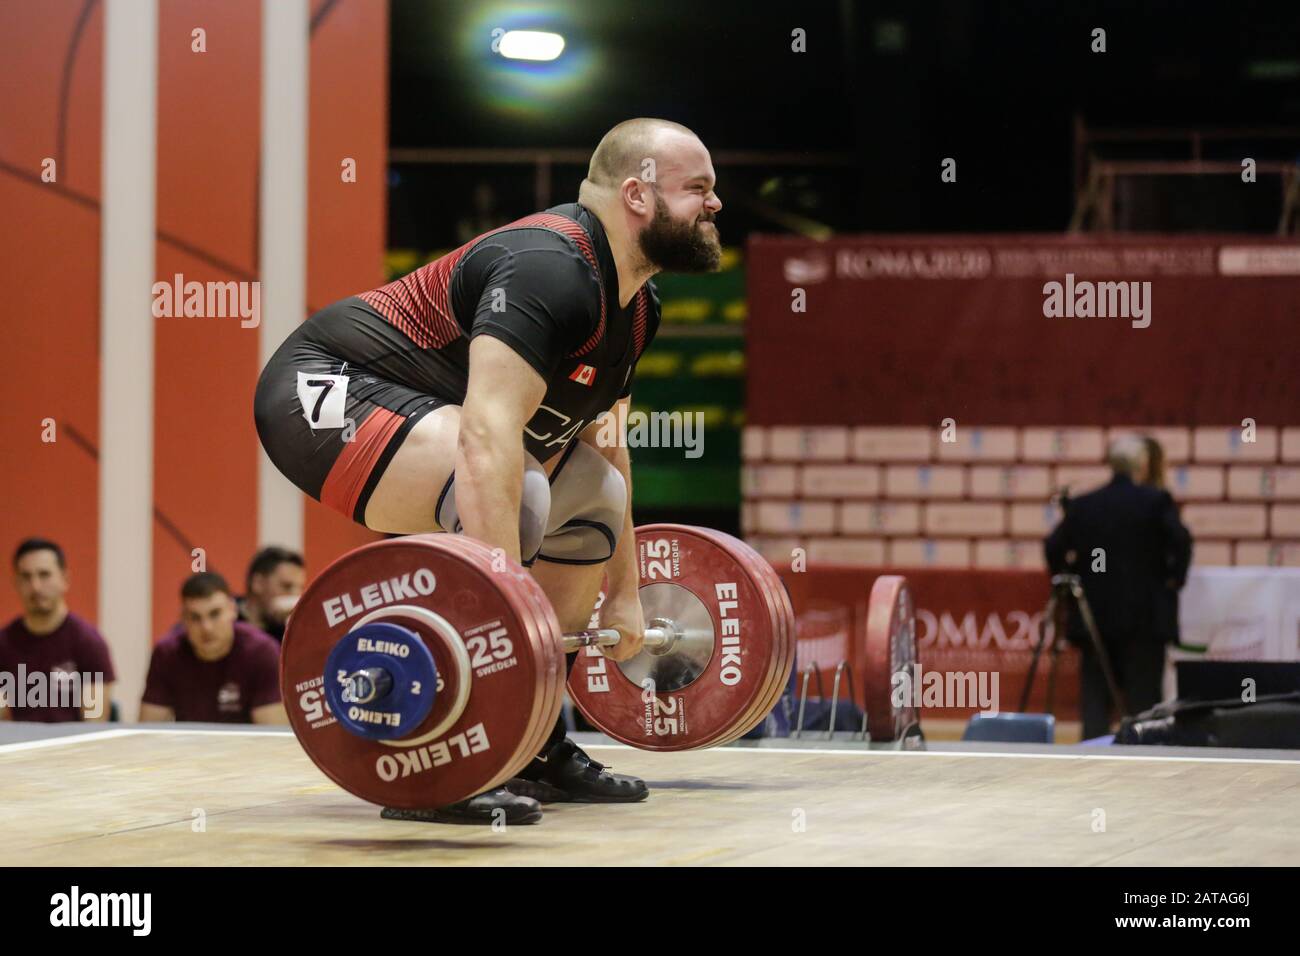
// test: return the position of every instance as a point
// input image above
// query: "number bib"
(323, 399)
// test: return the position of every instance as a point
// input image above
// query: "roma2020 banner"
(975, 635)
(907, 330)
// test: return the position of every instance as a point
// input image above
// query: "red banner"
(864, 330)
(969, 624)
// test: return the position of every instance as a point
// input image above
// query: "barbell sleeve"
(655, 637)
(363, 686)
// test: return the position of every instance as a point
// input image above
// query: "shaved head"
(651, 181)
(622, 151)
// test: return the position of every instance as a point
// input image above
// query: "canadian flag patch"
(583, 374)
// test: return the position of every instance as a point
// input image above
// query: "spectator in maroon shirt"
(274, 583)
(53, 665)
(211, 667)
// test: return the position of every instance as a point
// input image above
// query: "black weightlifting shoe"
(567, 775)
(485, 809)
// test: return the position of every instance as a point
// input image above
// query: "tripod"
(1065, 588)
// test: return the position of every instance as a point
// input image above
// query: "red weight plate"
(713, 677)
(424, 582)
(783, 647)
(785, 616)
(545, 634)
(549, 641)
(597, 665)
(785, 619)
(525, 595)
(755, 565)
(546, 701)
(890, 649)
(758, 567)
(786, 612)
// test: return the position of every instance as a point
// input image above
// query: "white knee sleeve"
(588, 506)
(534, 507)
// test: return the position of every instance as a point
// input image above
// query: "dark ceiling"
(898, 86)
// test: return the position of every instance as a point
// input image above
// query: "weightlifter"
(464, 397)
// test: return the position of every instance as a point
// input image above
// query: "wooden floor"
(131, 798)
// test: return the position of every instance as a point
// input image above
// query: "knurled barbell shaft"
(374, 682)
(655, 637)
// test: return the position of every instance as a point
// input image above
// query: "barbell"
(370, 685)
(419, 671)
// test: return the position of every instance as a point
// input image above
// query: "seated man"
(211, 667)
(49, 649)
(468, 397)
(272, 587)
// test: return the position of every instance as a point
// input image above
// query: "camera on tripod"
(1067, 593)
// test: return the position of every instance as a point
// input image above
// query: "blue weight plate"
(392, 677)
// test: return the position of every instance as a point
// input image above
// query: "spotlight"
(531, 45)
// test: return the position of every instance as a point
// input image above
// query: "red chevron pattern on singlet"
(419, 304)
(639, 320)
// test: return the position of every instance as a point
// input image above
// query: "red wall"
(347, 228)
(49, 274)
(205, 450)
(209, 107)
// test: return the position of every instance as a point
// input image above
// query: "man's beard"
(674, 246)
(41, 606)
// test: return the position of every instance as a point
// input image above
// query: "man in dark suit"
(1126, 543)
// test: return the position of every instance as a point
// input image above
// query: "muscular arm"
(502, 394)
